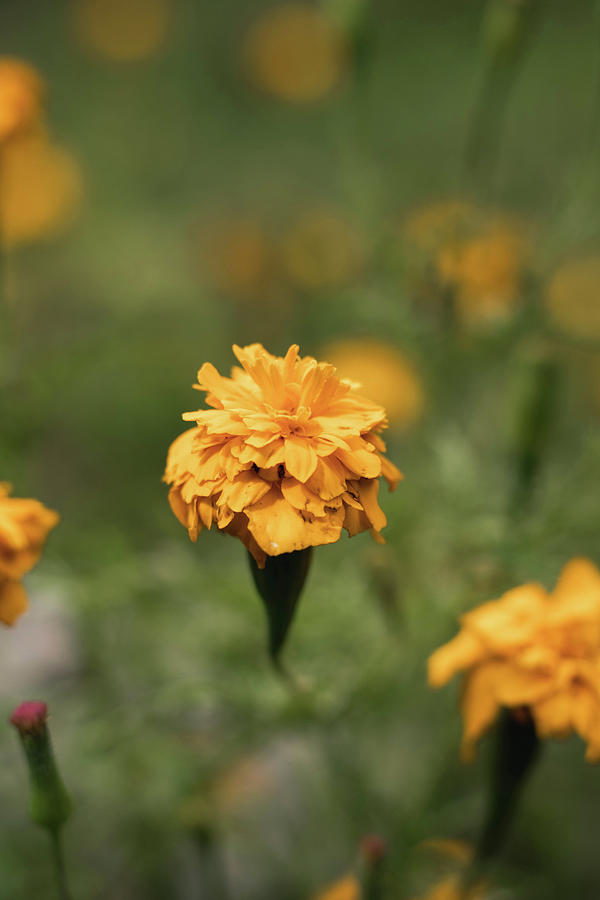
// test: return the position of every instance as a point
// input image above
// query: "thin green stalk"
(58, 859)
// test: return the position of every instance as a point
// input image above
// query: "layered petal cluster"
(21, 92)
(288, 455)
(24, 527)
(531, 649)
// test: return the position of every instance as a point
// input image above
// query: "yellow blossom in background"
(534, 650)
(322, 250)
(451, 888)
(236, 257)
(383, 373)
(486, 273)
(41, 189)
(288, 456)
(122, 30)
(428, 228)
(24, 527)
(449, 848)
(572, 297)
(21, 91)
(477, 254)
(346, 888)
(294, 52)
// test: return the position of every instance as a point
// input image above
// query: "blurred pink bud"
(373, 848)
(30, 717)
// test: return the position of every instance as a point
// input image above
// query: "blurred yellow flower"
(21, 91)
(322, 250)
(287, 457)
(451, 888)
(122, 31)
(573, 297)
(295, 52)
(236, 257)
(41, 188)
(478, 254)
(346, 888)
(450, 848)
(24, 527)
(383, 373)
(486, 273)
(532, 650)
(428, 228)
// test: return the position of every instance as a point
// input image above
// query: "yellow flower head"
(21, 92)
(123, 32)
(573, 297)
(346, 888)
(295, 52)
(535, 650)
(24, 527)
(41, 189)
(288, 455)
(486, 273)
(451, 889)
(384, 374)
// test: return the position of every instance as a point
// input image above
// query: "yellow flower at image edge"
(21, 91)
(531, 650)
(40, 190)
(287, 457)
(346, 888)
(24, 527)
(451, 889)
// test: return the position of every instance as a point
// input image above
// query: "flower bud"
(50, 805)
(280, 584)
(373, 850)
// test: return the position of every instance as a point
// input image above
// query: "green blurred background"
(219, 204)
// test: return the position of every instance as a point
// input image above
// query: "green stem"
(516, 752)
(594, 133)
(58, 859)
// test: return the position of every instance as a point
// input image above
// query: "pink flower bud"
(30, 717)
(373, 848)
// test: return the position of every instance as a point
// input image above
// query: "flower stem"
(516, 751)
(58, 859)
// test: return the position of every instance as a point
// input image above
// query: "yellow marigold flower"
(322, 250)
(531, 649)
(124, 32)
(288, 456)
(21, 91)
(486, 273)
(346, 888)
(24, 527)
(41, 189)
(573, 297)
(295, 52)
(383, 373)
(451, 888)
(427, 228)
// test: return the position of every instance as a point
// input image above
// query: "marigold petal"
(13, 601)
(279, 528)
(368, 491)
(459, 654)
(248, 488)
(300, 458)
(478, 704)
